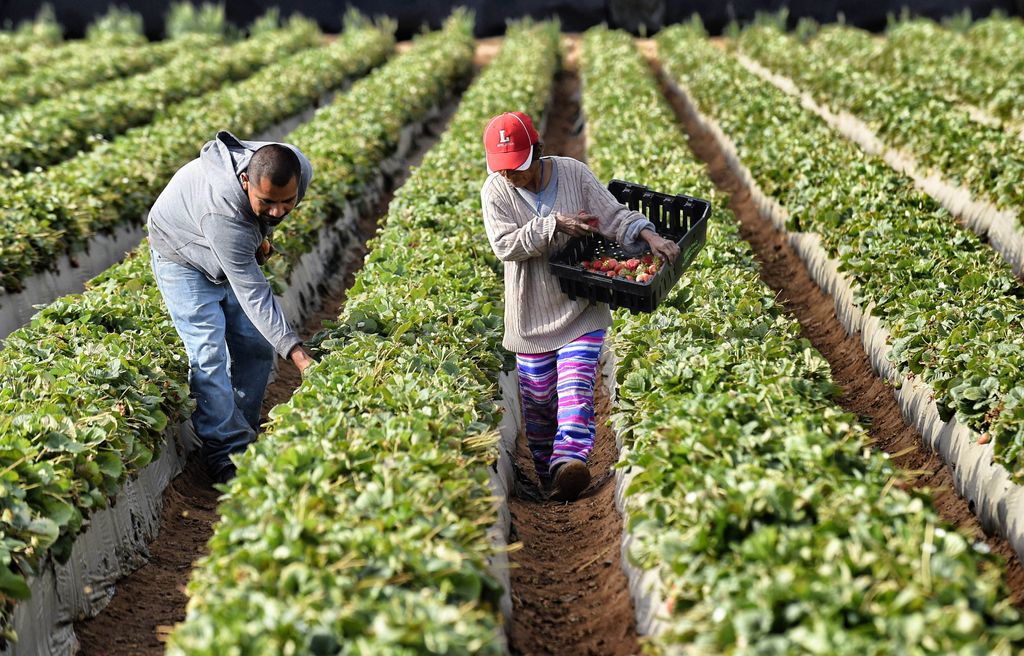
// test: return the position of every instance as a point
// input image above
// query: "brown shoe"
(571, 478)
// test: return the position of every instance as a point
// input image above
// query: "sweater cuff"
(286, 344)
(632, 243)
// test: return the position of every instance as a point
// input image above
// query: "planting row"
(55, 129)
(359, 521)
(943, 137)
(97, 65)
(1001, 35)
(57, 210)
(769, 524)
(87, 389)
(43, 32)
(951, 305)
(924, 54)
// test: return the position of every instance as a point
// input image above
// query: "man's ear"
(245, 181)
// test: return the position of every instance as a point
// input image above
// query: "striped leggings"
(557, 393)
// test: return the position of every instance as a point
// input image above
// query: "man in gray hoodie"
(209, 232)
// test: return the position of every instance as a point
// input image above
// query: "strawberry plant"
(770, 525)
(102, 62)
(59, 209)
(393, 431)
(55, 129)
(943, 137)
(938, 60)
(950, 304)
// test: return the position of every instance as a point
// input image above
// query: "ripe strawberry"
(610, 264)
(647, 259)
(644, 278)
(632, 263)
(610, 274)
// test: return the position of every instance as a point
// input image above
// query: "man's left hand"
(666, 249)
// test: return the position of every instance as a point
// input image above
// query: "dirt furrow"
(149, 602)
(863, 392)
(569, 593)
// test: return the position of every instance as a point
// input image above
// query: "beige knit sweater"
(538, 316)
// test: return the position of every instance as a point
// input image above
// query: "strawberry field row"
(100, 63)
(55, 129)
(50, 212)
(751, 497)
(922, 53)
(943, 137)
(360, 520)
(951, 306)
(88, 388)
(1001, 35)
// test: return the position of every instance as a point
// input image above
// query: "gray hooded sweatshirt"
(203, 220)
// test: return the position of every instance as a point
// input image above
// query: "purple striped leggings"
(557, 393)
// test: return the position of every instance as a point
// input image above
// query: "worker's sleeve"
(234, 245)
(510, 241)
(615, 220)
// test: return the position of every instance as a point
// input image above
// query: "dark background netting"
(576, 15)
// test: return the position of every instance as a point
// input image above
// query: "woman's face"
(521, 178)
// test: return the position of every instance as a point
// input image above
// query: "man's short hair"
(278, 163)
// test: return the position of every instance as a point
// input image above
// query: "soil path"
(569, 593)
(149, 602)
(863, 392)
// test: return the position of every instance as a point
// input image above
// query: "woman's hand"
(575, 226)
(664, 248)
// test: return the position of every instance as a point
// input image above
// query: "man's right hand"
(300, 357)
(264, 251)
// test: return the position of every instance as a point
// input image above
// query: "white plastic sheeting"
(998, 503)
(645, 586)
(113, 544)
(503, 481)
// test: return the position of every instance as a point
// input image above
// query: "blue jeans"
(229, 360)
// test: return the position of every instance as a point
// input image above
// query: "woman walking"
(532, 206)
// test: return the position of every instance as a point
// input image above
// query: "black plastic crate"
(683, 219)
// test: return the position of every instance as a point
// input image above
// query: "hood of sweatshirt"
(226, 157)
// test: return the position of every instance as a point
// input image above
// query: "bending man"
(209, 232)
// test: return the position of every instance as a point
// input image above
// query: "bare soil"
(150, 601)
(569, 593)
(863, 392)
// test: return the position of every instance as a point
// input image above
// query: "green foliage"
(55, 129)
(909, 105)
(267, 23)
(43, 29)
(117, 26)
(103, 60)
(395, 428)
(951, 304)
(88, 388)
(185, 18)
(86, 393)
(771, 526)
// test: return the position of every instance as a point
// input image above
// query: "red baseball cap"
(508, 141)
